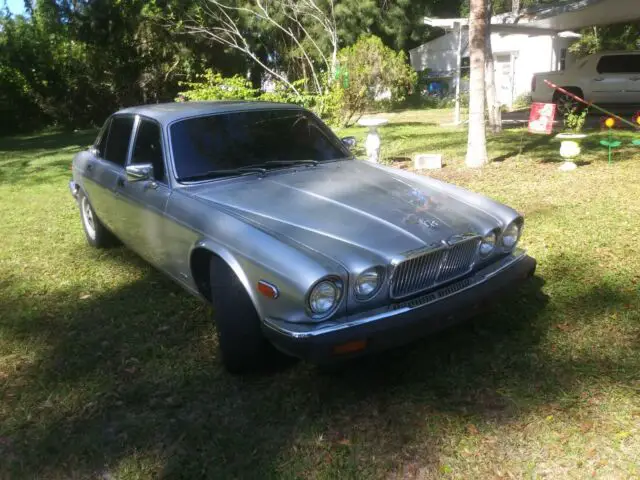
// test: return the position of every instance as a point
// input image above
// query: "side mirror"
(139, 172)
(349, 142)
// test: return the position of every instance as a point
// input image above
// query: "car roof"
(169, 112)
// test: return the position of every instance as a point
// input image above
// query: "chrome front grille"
(431, 269)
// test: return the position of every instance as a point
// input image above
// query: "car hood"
(345, 207)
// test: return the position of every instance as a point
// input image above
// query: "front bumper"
(403, 322)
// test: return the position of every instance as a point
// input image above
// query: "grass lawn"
(108, 370)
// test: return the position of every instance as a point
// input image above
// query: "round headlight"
(488, 244)
(511, 235)
(368, 282)
(324, 297)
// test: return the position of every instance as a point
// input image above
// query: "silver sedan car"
(260, 210)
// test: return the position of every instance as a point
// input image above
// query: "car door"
(632, 94)
(102, 171)
(143, 202)
(609, 85)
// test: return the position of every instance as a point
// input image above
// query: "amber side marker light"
(350, 347)
(268, 290)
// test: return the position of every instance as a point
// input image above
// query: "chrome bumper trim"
(306, 330)
(73, 186)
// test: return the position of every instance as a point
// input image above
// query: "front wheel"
(242, 344)
(567, 104)
(97, 234)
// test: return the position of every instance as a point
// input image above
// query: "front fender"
(229, 258)
(292, 271)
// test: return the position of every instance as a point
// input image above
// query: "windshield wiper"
(285, 163)
(224, 173)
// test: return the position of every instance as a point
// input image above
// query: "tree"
(493, 106)
(477, 142)
(306, 29)
(610, 37)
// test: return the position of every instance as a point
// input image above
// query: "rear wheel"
(567, 104)
(242, 344)
(97, 234)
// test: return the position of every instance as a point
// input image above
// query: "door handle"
(120, 182)
(598, 79)
(89, 167)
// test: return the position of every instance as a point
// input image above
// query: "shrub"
(213, 86)
(370, 70)
(522, 102)
(283, 94)
(575, 118)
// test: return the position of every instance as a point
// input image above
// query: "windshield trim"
(278, 169)
(169, 139)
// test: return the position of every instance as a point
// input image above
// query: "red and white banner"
(542, 117)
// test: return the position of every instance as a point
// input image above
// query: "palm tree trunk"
(493, 107)
(477, 141)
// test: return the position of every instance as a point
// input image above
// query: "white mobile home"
(519, 51)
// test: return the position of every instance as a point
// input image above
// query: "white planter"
(569, 149)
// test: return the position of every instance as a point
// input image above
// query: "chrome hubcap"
(87, 216)
(566, 104)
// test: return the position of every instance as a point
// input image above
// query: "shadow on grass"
(48, 141)
(407, 124)
(133, 374)
(524, 144)
(41, 158)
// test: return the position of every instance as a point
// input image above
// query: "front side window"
(118, 141)
(236, 140)
(101, 145)
(619, 64)
(148, 148)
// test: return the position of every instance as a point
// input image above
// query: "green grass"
(107, 370)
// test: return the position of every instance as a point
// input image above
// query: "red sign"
(542, 117)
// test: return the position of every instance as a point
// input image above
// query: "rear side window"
(118, 141)
(148, 148)
(619, 64)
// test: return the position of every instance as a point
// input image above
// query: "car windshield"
(229, 143)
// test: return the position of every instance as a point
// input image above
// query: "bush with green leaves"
(213, 86)
(368, 70)
(522, 102)
(281, 93)
(575, 118)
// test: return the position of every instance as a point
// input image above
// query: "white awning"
(559, 17)
(582, 14)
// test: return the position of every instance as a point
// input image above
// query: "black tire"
(243, 346)
(566, 104)
(97, 234)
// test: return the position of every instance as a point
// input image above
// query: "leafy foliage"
(370, 75)
(71, 63)
(612, 37)
(213, 86)
(575, 118)
(372, 72)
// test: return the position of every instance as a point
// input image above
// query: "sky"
(16, 6)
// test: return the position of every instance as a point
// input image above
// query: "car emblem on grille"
(415, 219)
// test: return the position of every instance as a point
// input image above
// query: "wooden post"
(457, 119)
